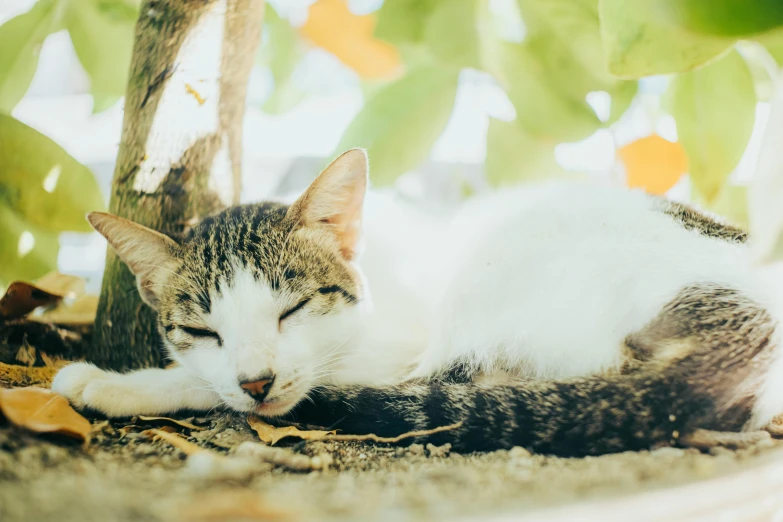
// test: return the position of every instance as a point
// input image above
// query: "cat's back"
(544, 269)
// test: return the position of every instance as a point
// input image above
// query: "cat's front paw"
(71, 381)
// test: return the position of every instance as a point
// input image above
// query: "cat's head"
(258, 300)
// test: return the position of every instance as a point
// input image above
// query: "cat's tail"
(574, 418)
(705, 370)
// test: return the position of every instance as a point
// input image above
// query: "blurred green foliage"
(43, 191)
(567, 49)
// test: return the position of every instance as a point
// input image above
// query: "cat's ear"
(335, 199)
(150, 255)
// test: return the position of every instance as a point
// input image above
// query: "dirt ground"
(125, 475)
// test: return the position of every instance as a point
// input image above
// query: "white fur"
(150, 392)
(544, 282)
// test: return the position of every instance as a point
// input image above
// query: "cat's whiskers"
(327, 356)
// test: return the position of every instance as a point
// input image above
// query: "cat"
(568, 318)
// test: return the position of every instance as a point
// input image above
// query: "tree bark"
(180, 153)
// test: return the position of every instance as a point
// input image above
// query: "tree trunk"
(180, 153)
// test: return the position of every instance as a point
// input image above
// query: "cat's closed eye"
(202, 333)
(291, 311)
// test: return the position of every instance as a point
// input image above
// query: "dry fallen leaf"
(332, 26)
(79, 312)
(185, 446)
(271, 434)
(43, 411)
(26, 354)
(653, 163)
(398, 438)
(181, 423)
(63, 285)
(22, 298)
(708, 439)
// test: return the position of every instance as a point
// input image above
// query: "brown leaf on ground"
(13, 375)
(80, 312)
(63, 285)
(66, 291)
(43, 411)
(22, 298)
(707, 439)
(182, 423)
(398, 438)
(179, 442)
(231, 505)
(271, 434)
(36, 338)
(26, 354)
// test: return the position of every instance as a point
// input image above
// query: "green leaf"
(773, 41)
(450, 33)
(549, 75)
(102, 33)
(281, 50)
(548, 106)
(404, 21)
(21, 39)
(715, 109)
(401, 123)
(514, 156)
(41, 182)
(27, 252)
(638, 44)
(574, 25)
(737, 18)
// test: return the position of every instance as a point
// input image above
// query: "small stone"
(362, 455)
(322, 461)
(416, 449)
(399, 452)
(439, 451)
(518, 452)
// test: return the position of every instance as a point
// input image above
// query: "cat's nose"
(259, 387)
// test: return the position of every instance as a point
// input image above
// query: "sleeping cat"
(570, 319)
